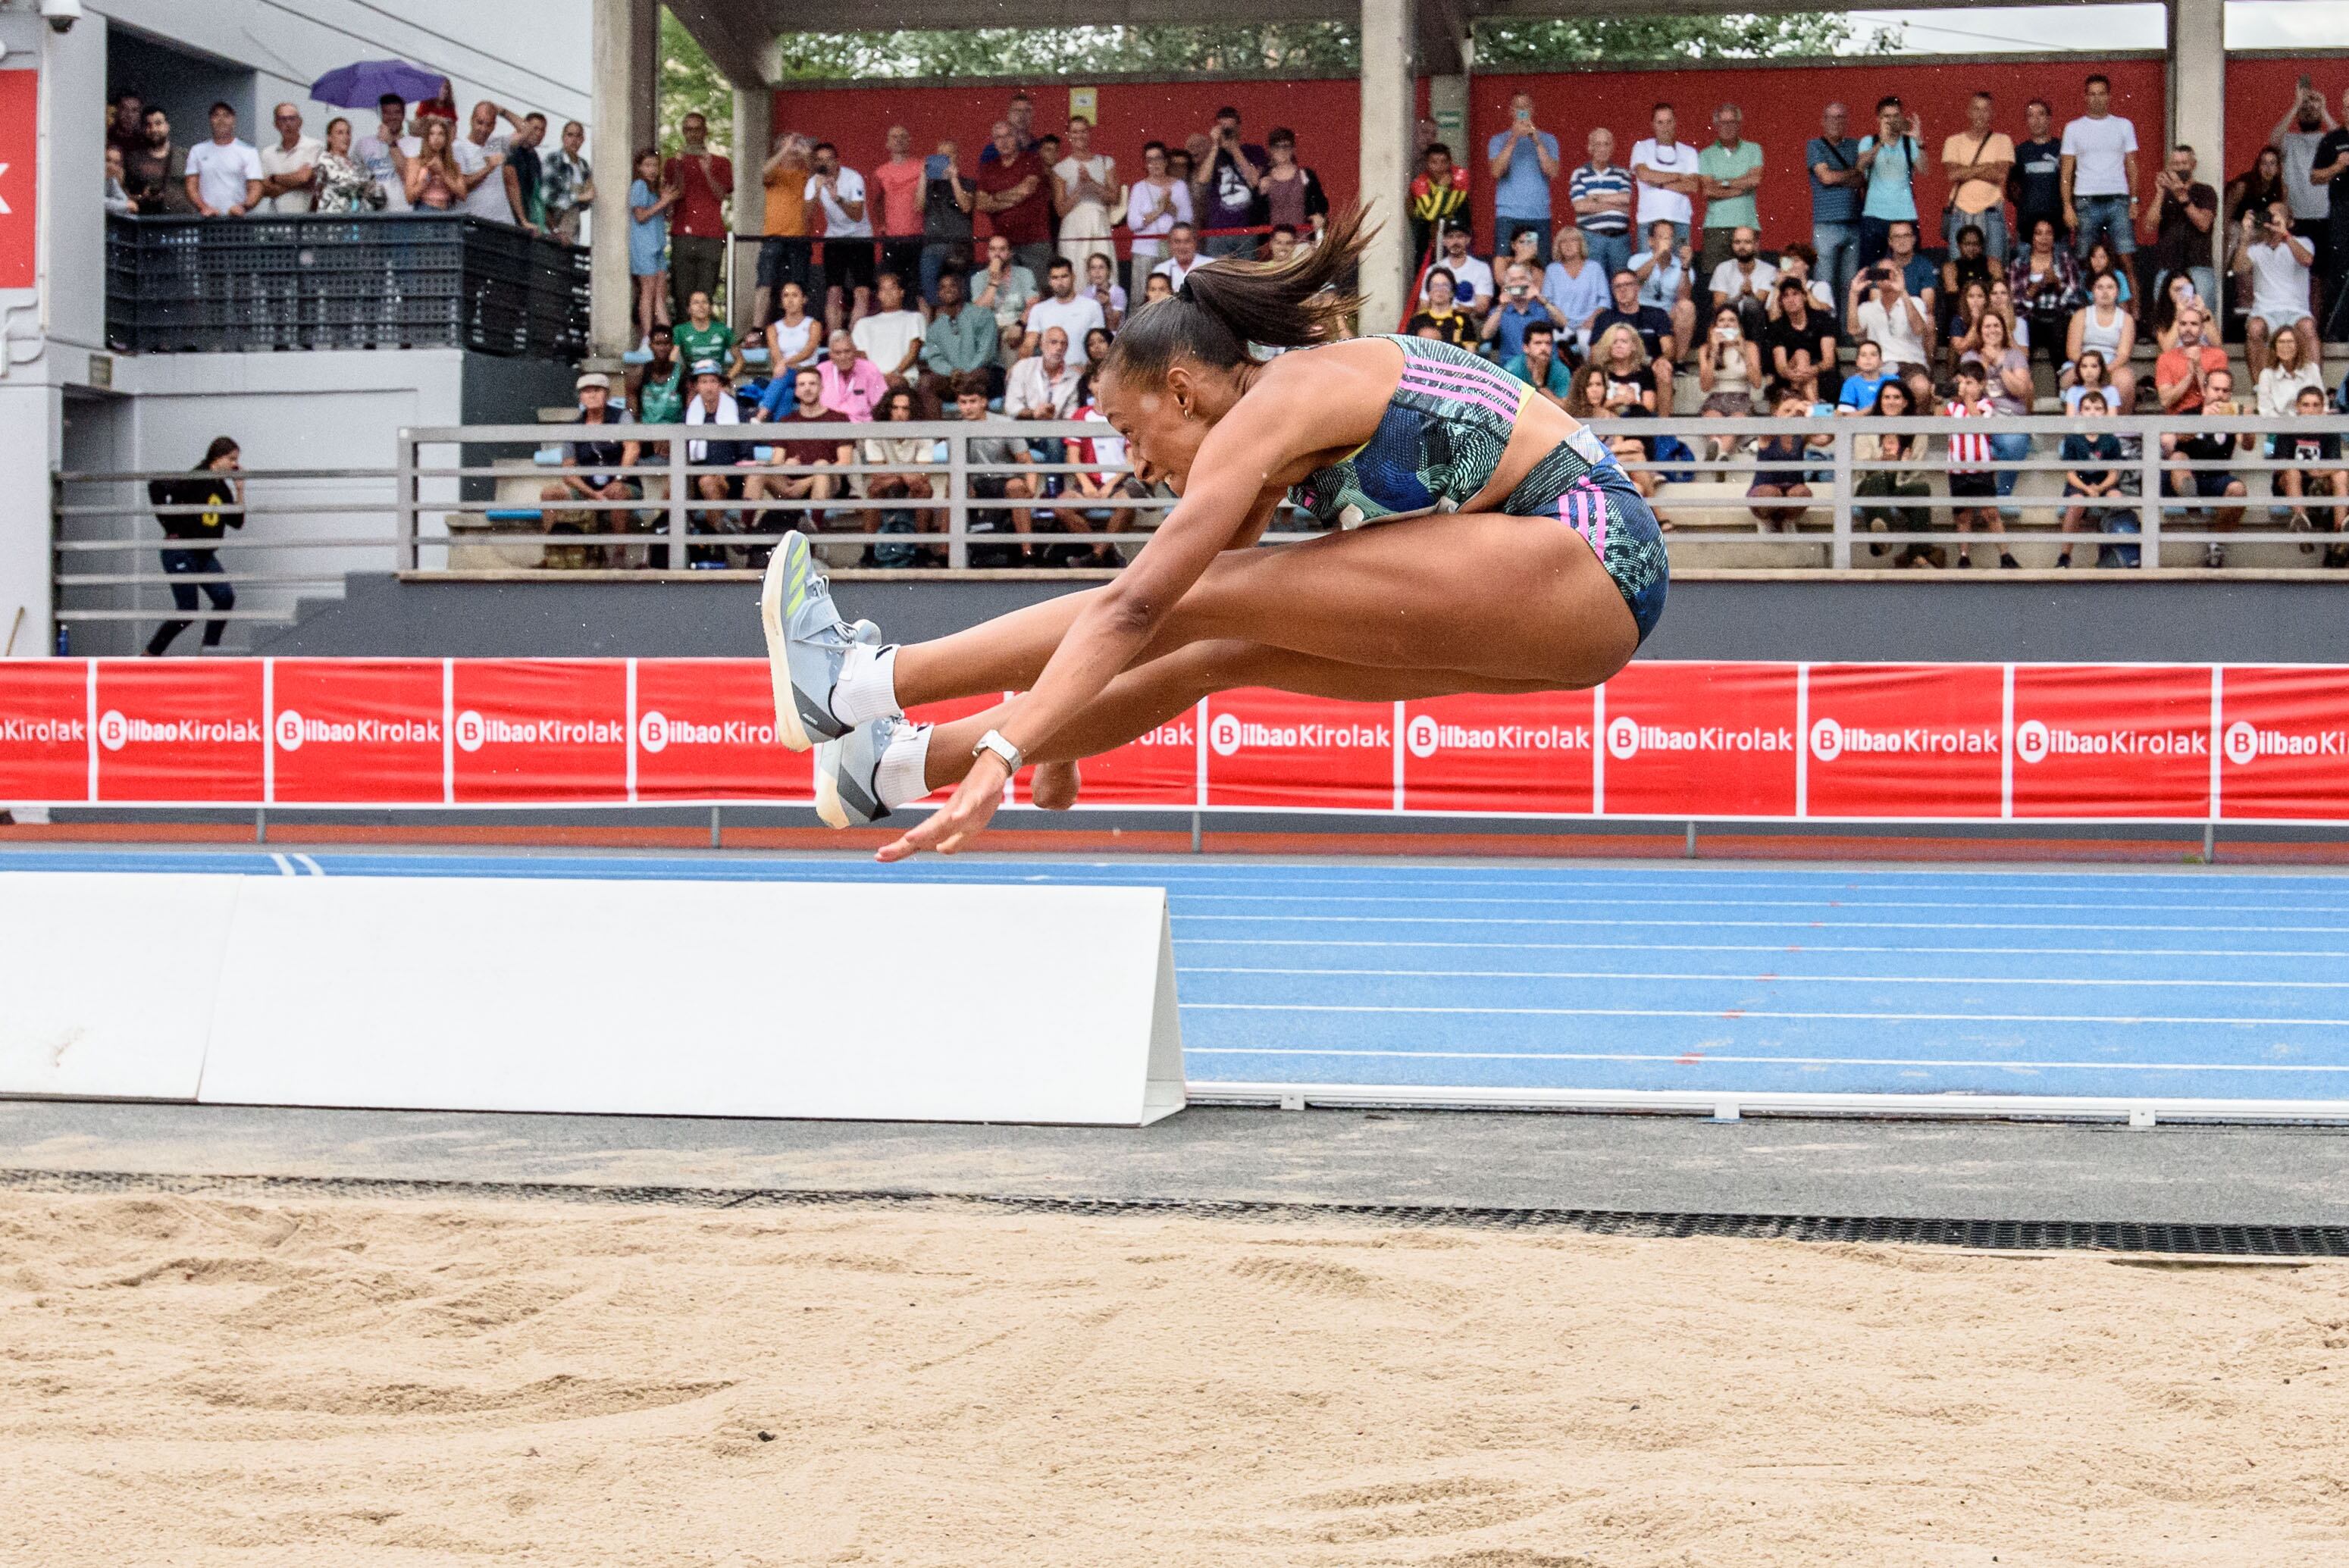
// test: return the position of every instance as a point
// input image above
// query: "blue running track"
(1719, 980)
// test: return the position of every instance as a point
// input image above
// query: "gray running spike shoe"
(847, 771)
(807, 642)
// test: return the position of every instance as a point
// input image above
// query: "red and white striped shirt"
(1967, 451)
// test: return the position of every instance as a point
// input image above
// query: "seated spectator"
(901, 455)
(1636, 457)
(795, 338)
(1538, 366)
(1779, 469)
(797, 466)
(1965, 322)
(591, 472)
(1799, 263)
(155, 172)
(2006, 378)
(712, 403)
(2182, 373)
(852, 387)
(1526, 249)
(1586, 399)
(890, 337)
(1666, 279)
(1729, 374)
(1044, 385)
(1005, 290)
(991, 458)
(1923, 279)
(2102, 325)
(1471, 280)
(2090, 374)
(1280, 245)
(1101, 287)
(1744, 281)
(1095, 355)
(701, 335)
(224, 175)
(1437, 318)
(1182, 257)
(2177, 292)
(1062, 306)
(1795, 325)
(960, 340)
(1891, 401)
(2277, 261)
(2099, 262)
(1576, 286)
(2083, 484)
(2292, 369)
(2307, 450)
(1972, 478)
(656, 386)
(1893, 319)
(1868, 377)
(1155, 287)
(1521, 305)
(1631, 381)
(1968, 265)
(2045, 284)
(1105, 482)
(2211, 446)
(1660, 340)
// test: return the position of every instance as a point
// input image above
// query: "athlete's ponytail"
(1223, 308)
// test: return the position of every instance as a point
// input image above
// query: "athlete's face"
(1162, 423)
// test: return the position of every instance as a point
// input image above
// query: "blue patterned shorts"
(1581, 485)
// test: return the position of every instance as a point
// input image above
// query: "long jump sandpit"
(209, 1380)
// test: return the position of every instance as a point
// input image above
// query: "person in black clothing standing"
(2036, 180)
(214, 503)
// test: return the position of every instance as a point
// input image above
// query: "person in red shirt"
(704, 185)
(1011, 193)
(2180, 373)
(1439, 200)
(897, 185)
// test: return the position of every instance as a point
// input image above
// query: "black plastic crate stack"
(178, 286)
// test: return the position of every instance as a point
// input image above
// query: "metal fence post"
(409, 550)
(676, 487)
(957, 503)
(1841, 557)
(2148, 555)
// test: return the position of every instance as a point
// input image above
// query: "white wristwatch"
(993, 741)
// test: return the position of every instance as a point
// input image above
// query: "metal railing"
(472, 499)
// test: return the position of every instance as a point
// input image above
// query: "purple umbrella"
(363, 85)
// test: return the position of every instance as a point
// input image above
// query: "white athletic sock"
(867, 687)
(902, 777)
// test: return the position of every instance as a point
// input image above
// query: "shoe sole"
(787, 569)
(828, 809)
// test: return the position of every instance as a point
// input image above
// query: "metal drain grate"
(1995, 1235)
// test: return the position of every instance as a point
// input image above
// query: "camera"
(61, 14)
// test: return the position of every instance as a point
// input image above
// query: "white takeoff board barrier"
(868, 1001)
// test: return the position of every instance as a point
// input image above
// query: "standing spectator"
(1521, 305)
(787, 250)
(2294, 367)
(1048, 158)
(1732, 171)
(1293, 194)
(847, 234)
(224, 175)
(1228, 181)
(1005, 290)
(1658, 334)
(2100, 188)
(1011, 192)
(155, 173)
(379, 150)
(1472, 279)
(1667, 277)
(850, 385)
(2208, 483)
(1523, 160)
(117, 200)
(2101, 327)
(342, 183)
(1728, 374)
(1795, 327)
(2045, 284)
(441, 105)
(1182, 257)
(947, 203)
(2308, 448)
(2089, 485)
(1084, 192)
(1062, 306)
(1600, 194)
(1742, 281)
(702, 338)
(1669, 174)
(492, 195)
(2256, 186)
(1019, 114)
(526, 169)
(1889, 159)
(2183, 213)
(805, 461)
(1971, 477)
(1538, 366)
(126, 128)
(647, 225)
(961, 340)
(1977, 162)
(435, 179)
(1833, 158)
(795, 336)
(204, 507)
(567, 184)
(898, 181)
(2298, 136)
(704, 182)
(592, 470)
(890, 337)
(1439, 201)
(2038, 177)
(2278, 261)
(289, 166)
(1436, 316)
(1156, 202)
(2330, 168)
(2182, 374)
(1576, 285)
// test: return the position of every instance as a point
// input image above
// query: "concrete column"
(1387, 126)
(616, 75)
(754, 113)
(2198, 99)
(645, 50)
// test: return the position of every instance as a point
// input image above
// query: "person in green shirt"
(1732, 171)
(656, 388)
(960, 338)
(701, 335)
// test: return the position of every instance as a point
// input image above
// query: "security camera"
(61, 14)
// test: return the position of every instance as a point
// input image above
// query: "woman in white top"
(2291, 368)
(1152, 208)
(793, 338)
(1728, 372)
(2102, 324)
(1084, 190)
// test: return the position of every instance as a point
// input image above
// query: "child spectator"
(2308, 448)
(1971, 477)
(2085, 484)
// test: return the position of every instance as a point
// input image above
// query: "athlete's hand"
(961, 819)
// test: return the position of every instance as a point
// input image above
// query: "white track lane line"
(1771, 979)
(1733, 1014)
(1521, 901)
(2298, 955)
(285, 866)
(1708, 1058)
(1791, 924)
(307, 864)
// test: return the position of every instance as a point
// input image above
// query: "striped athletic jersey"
(1968, 454)
(1441, 437)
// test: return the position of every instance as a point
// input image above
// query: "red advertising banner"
(356, 731)
(529, 730)
(1161, 768)
(706, 731)
(1499, 753)
(2283, 743)
(44, 729)
(1284, 752)
(2124, 741)
(1905, 740)
(20, 170)
(1700, 740)
(186, 731)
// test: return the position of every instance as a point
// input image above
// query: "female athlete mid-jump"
(1512, 555)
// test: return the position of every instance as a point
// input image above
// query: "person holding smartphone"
(2280, 263)
(1523, 160)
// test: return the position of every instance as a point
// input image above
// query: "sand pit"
(203, 1382)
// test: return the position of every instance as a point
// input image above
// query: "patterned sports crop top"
(1444, 431)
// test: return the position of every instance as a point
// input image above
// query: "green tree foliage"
(689, 84)
(1531, 42)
